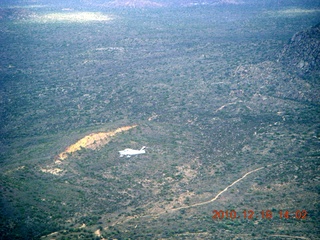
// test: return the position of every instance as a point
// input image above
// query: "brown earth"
(93, 141)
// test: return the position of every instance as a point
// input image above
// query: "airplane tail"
(143, 148)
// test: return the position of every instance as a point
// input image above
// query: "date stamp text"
(264, 214)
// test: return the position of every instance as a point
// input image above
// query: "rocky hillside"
(302, 53)
(268, 79)
(286, 77)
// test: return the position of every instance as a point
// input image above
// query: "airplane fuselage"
(128, 152)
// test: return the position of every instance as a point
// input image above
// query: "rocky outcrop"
(302, 53)
(269, 79)
(285, 78)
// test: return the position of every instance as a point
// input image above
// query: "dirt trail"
(196, 204)
(288, 236)
(216, 197)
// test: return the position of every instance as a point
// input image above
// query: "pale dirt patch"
(54, 171)
(15, 169)
(178, 201)
(153, 185)
(187, 172)
(109, 176)
(98, 234)
(93, 141)
(83, 226)
(272, 187)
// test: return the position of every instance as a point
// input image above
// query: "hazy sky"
(307, 3)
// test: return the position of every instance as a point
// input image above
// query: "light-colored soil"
(93, 141)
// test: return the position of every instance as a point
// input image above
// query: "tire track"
(216, 197)
(196, 204)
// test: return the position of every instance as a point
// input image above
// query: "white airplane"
(128, 152)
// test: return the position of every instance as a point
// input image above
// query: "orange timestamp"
(264, 214)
